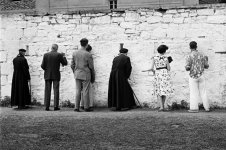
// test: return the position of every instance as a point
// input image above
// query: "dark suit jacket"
(51, 65)
(82, 65)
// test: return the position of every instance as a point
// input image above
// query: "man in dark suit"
(120, 94)
(82, 67)
(51, 65)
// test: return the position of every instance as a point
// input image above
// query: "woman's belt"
(161, 68)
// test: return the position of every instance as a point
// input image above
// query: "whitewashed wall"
(141, 31)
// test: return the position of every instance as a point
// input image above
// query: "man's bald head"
(54, 47)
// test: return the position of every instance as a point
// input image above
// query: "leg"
(163, 101)
(194, 94)
(85, 85)
(82, 101)
(48, 86)
(202, 90)
(159, 98)
(56, 85)
(91, 95)
(78, 93)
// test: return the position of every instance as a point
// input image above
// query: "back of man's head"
(84, 42)
(54, 47)
(193, 45)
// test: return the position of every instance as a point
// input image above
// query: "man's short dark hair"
(89, 48)
(193, 45)
(162, 49)
(84, 42)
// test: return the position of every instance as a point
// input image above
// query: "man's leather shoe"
(77, 110)
(87, 110)
(56, 108)
(47, 109)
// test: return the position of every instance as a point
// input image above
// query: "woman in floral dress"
(162, 82)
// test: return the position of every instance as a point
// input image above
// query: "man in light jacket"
(82, 67)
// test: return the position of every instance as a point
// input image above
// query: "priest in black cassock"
(120, 93)
(20, 95)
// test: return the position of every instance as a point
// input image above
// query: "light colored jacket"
(82, 65)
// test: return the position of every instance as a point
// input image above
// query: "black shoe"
(77, 110)
(82, 107)
(87, 110)
(47, 109)
(56, 108)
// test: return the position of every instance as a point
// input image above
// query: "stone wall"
(141, 31)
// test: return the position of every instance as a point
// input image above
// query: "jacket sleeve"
(73, 63)
(63, 60)
(43, 65)
(26, 70)
(128, 68)
(91, 67)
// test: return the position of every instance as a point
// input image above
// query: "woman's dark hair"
(162, 49)
(84, 42)
(89, 48)
(193, 45)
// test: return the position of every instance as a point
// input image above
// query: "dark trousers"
(48, 87)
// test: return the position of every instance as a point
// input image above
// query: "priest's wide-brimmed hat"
(123, 50)
(22, 50)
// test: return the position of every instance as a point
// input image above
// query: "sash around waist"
(161, 68)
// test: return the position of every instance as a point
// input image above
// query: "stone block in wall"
(85, 20)
(4, 80)
(178, 20)
(42, 33)
(154, 19)
(117, 19)
(53, 21)
(6, 68)
(101, 20)
(157, 14)
(220, 12)
(74, 21)
(13, 34)
(158, 33)
(82, 28)
(44, 26)
(186, 14)
(172, 33)
(132, 16)
(31, 24)
(201, 19)
(194, 33)
(37, 19)
(3, 56)
(45, 18)
(76, 16)
(60, 21)
(128, 25)
(171, 11)
(217, 19)
(167, 18)
(22, 24)
(205, 12)
(145, 35)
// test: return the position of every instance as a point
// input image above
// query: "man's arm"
(206, 65)
(43, 65)
(188, 64)
(91, 67)
(63, 59)
(73, 63)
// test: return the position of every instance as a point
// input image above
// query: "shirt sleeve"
(188, 63)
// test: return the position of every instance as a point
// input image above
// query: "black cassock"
(20, 95)
(120, 93)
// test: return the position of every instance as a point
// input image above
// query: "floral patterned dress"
(162, 80)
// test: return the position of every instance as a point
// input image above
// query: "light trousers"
(90, 96)
(197, 92)
(82, 86)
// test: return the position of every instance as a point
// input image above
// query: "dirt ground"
(139, 129)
